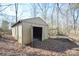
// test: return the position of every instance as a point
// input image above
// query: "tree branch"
(5, 7)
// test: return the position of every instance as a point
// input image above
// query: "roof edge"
(16, 23)
(20, 21)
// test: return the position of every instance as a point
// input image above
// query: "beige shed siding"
(35, 21)
(17, 33)
(20, 34)
(13, 31)
(23, 31)
(26, 33)
(45, 33)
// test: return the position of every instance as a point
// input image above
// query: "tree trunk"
(67, 29)
(57, 18)
(75, 27)
(16, 11)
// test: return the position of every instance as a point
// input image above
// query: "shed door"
(37, 33)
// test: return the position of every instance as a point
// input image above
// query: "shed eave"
(16, 23)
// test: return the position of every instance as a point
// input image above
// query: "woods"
(61, 18)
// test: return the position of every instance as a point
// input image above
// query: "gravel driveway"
(50, 47)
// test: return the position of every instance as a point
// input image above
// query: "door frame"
(32, 32)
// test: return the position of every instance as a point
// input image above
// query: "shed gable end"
(37, 20)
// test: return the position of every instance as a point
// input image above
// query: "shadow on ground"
(55, 44)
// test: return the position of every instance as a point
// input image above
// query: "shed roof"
(36, 20)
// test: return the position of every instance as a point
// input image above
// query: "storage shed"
(31, 29)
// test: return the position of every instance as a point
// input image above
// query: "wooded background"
(62, 18)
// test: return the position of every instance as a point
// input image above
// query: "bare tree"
(57, 18)
(67, 28)
(44, 9)
(16, 11)
(52, 14)
(34, 10)
(65, 14)
(5, 7)
(73, 9)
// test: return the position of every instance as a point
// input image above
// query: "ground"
(58, 46)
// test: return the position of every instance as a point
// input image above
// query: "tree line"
(63, 17)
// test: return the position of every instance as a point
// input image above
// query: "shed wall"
(27, 32)
(20, 34)
(23, 32)
(13, 31)
(17, 33)
(45, 32)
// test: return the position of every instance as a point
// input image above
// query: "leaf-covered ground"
(51, 47)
